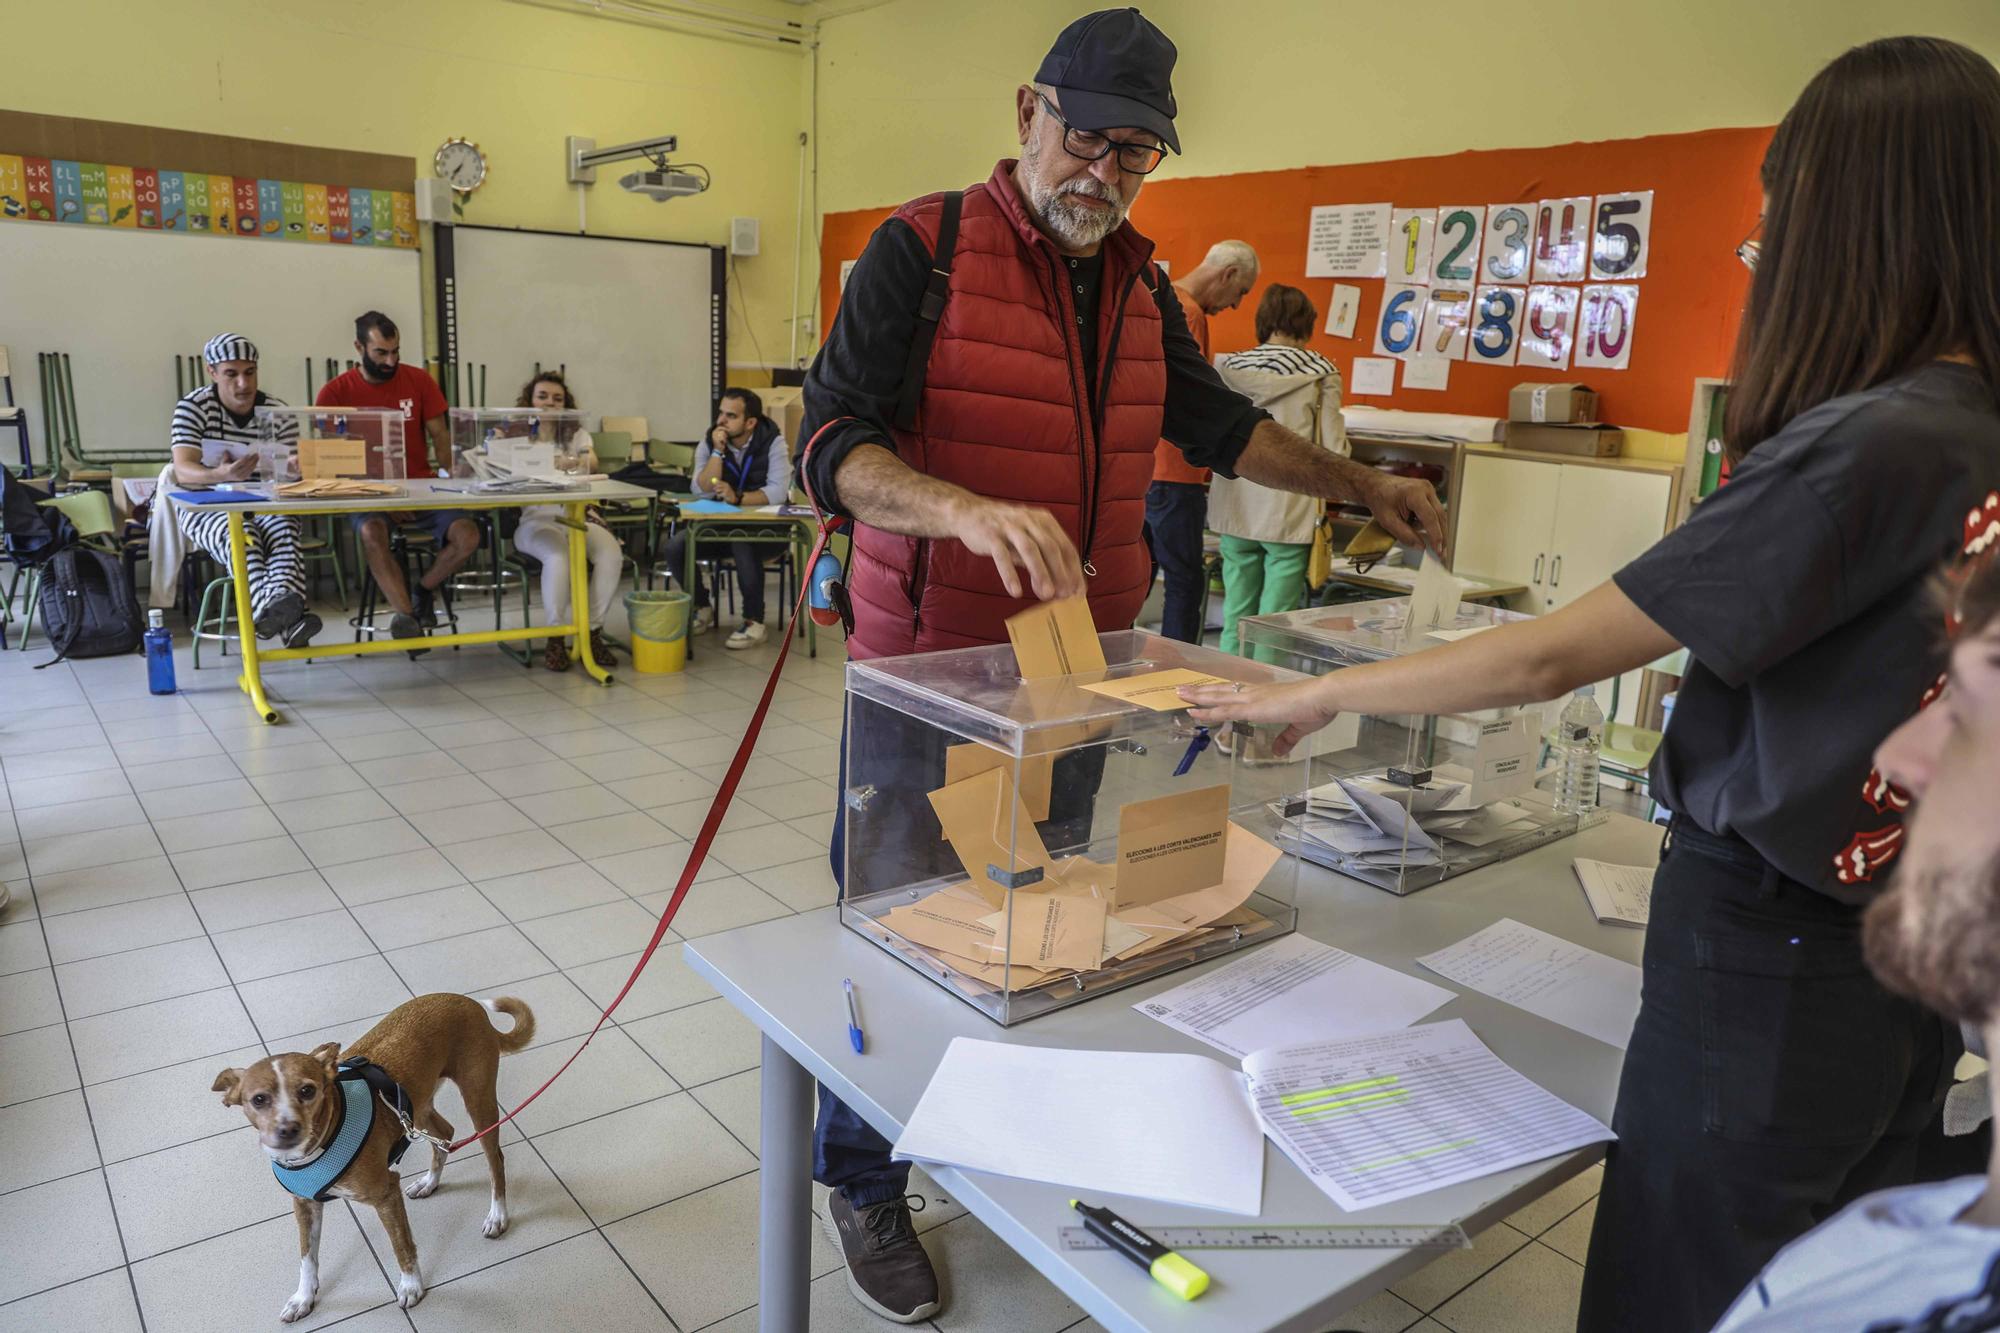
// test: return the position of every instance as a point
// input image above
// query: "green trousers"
(1259, 579)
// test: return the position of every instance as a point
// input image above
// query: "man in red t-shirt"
(1177, 501)
(382, 380)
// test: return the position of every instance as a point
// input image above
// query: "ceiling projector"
(660, 185)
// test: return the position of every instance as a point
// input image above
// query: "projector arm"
(585, 157)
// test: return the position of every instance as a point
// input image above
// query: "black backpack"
(29, 531)
(88, 606)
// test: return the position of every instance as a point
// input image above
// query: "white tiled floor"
(193, 889)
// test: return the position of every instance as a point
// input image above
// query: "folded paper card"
(1171, 845)
(1036, 772)
(1055, 639)
(1157, 690)
(982, 817)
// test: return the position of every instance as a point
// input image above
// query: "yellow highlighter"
(1171, 1271)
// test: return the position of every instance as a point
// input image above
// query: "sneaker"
(301, 631)
(747, 635)
(407, 627)
(425, 601)
(280, 616)
(704, 619)
(888, 1269)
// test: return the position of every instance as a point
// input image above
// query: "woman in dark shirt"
(1769, 1079)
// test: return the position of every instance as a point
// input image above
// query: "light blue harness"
(315, 1178)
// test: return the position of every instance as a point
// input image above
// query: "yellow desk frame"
(251, 682)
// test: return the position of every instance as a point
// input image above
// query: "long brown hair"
(1881, 247)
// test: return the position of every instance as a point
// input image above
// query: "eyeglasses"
(1141, 159)
(1752, 249)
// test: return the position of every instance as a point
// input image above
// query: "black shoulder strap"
(929, 311)
(60, 575)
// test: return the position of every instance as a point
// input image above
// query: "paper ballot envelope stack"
(1404, 801)
(1032, 824)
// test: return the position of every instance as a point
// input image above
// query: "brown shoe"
(602, 650)
(888, 1269)
(556, 656)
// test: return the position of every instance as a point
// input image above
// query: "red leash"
(710, 824)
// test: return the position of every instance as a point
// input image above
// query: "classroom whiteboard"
(635, 322)
(123, 303)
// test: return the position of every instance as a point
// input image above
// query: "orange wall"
(1705, 200)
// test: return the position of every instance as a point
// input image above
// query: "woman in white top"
(544, 536)
(1266, 534)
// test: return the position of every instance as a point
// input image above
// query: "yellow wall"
(915, 95)
(403, 77)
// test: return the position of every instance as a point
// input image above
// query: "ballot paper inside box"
(1030, 843)
(1404, 801)
(332, 443)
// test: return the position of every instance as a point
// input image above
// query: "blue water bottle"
(159, 655)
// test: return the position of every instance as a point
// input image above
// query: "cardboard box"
(1588, 441)
(786, 405)
(1554, 404)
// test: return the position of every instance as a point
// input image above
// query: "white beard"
(1075, 225)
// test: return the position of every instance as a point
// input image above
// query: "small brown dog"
(305, 1105)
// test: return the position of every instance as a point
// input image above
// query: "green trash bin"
(659, 630)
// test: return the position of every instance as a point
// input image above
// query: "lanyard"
(737, 475)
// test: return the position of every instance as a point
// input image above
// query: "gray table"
(785, 976)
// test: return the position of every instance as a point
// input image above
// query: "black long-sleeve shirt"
(859, 371)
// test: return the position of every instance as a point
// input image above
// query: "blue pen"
(853, 1018)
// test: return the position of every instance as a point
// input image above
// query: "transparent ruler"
(1446, 1236)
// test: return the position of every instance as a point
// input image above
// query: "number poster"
(36, 189)
(1548, 284)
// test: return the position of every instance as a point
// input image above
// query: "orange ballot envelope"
(1055, 639)
(1157, 690)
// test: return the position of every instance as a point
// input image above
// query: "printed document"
(1533, 970)
(1619, 895)
(1375, 1119)
(1178, 1128)
(1289, 991)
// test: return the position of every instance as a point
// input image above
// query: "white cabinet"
(1561, 529)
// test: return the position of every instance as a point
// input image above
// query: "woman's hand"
(1303, 705)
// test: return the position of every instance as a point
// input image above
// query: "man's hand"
(718, 439)
(1409, 509)
(725, 493)
(241, 469)
(1021, 537)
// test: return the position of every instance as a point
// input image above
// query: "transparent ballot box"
(1029, 843)
(514, 443)
(1404, 801)
(329, 443)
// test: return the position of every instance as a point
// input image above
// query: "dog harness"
(359, 1082)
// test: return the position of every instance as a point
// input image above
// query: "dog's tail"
(523, 1030)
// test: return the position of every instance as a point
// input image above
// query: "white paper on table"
(1374, 1119)
(1289, 991)
(1428, 371)
(1549, 977)
(1178, 1128)
(1343, 311)
(1373, 375)
(1620, 895)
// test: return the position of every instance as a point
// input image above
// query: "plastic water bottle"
(1578, 736)
(159, 655)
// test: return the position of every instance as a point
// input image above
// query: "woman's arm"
(1602, 634)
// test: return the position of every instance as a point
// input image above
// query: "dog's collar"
(313, 1178)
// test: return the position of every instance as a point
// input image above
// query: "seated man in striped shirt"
(223, 412)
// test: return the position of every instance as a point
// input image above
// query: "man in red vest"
(1059, 359)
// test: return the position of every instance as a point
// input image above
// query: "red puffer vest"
(1005, 413)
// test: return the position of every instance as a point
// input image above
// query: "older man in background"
(1177, 501)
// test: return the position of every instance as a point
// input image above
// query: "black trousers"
(1176, 513)
(1770, 1081)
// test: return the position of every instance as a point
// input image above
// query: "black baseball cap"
(1114, 69)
